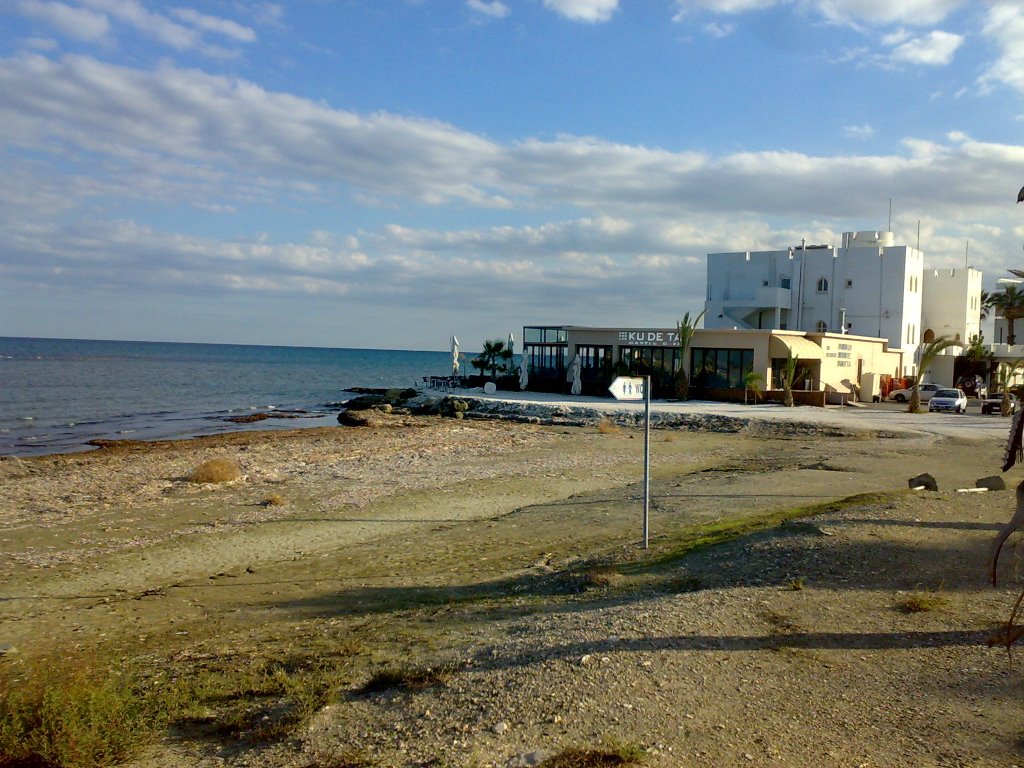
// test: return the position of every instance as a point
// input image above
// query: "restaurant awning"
(805, 349)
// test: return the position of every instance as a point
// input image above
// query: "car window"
(954, 393)
(929, 387)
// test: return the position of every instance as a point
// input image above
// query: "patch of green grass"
(258, 698)
(795, 584)
(694, 538)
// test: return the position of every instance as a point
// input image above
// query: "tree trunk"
(787, 394)
(682, 385)
(915, 400)
(1010, 336)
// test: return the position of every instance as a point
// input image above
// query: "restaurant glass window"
(595, 357)
(720, 368)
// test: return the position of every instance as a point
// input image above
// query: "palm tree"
(752, 383)
(929, 352)
(492, 356)
(1009, 304)
(790, 372)
(687, 327)
(986, 305)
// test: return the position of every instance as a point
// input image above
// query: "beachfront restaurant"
(832, 368)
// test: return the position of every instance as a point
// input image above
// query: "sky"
(387, 173)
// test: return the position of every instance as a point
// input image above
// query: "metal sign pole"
(647, 456)
(639, 388)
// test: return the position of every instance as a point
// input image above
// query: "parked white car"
(927, 391)
(954, 400)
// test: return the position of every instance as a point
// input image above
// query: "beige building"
(834, 366)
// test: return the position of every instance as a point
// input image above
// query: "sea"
(58, 394)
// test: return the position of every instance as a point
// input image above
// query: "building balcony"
(764, 297)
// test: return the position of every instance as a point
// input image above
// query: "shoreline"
(549, 409)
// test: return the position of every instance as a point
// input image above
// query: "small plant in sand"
(407, 678)
(608, 427)
(611, 755)
(922, 602)
(604, 576)
(796, 584)
(274, 500)
(216, 471)
(678, 585)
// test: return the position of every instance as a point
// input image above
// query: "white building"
(951, 303)
(868, 287)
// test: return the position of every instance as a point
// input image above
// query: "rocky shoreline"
(367, 409)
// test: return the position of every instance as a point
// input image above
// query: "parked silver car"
(948, 400)
(927, 391)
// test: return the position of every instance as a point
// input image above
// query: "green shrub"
(72, 716)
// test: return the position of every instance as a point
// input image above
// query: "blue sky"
(384, 173)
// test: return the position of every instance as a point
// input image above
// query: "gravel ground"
(471, 547)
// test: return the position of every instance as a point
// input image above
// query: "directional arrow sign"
(627, 388)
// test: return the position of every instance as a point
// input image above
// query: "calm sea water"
(56, 394)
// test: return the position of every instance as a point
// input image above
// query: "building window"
(720, 368)
(784, 282)
(595, 357)
(849, 283)
(822, 285)
(821, 327)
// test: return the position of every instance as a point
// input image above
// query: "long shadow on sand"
(843, 641)
(960, 567)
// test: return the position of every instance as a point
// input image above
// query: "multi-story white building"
(951, 303)
(867, 287)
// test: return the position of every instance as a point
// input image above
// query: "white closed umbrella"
(524, 373)
(455, 355)
(574, 369)
(511, 344)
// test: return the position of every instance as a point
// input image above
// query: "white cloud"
(583, 10)
(134, 14)
(865, 131)
(203, 120)
(1004, 25)
(714, 29)
(495, 8)
(917, 12)
(684, 7)
(225, 27)
(94, 20)
(78, 23)
(41, 43)
(896, 38)
(178, 132)
(934, 49)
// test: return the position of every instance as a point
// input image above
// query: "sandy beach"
(507, 554)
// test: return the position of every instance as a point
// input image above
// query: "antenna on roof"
(890, 216)
(919, 234)
(967, 249)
